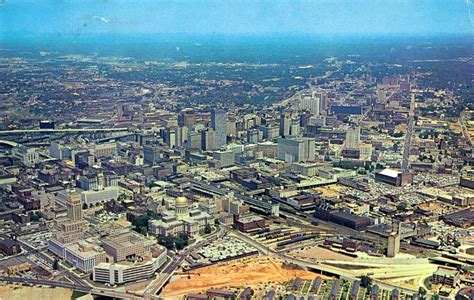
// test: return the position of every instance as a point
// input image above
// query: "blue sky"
(317, 17)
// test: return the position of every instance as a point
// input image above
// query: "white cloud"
(102, 19)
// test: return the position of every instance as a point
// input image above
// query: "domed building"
(181, 207)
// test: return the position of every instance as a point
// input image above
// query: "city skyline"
(191, 150)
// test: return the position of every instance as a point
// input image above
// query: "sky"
(316, 17)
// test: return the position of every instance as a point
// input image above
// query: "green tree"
(422, 292)
(34, 217)
(179, 243)
(207, 229)
(365, 281)
(181, 240)
(56, 264)
(165, 241)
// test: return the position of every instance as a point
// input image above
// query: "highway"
(67, 130)
(463, 123)
(50, 261)
(318, 267)
(157, 284)
(409, 134)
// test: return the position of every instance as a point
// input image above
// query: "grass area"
(64, 279)
(67, 265)
(215, 229)
(345, 290)
(306, 287)
(77, 271)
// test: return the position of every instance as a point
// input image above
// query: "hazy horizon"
(261, 18)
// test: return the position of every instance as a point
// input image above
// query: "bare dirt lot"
(14, 292)
(321, 253)
(236, 274)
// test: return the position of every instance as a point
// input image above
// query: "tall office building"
(151, 154)
(269, 132)
(285, 123)
(193, 140)
(219, 125)
(175, 136)
(295, 127)
(312, 104)
(74, 207)
(353, 137)
(296, 149)
(170, 137)
(208, 139)
(73, 227)
(393, 242)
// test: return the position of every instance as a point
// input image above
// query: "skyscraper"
(296, 149)
(208, 139)
(353, 137)
(74, 207)
(285, 120)
(219, 125)
(312, 104)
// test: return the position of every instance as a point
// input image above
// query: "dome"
(181, 201)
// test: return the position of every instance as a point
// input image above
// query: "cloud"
(100, 18)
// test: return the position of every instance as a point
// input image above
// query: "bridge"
(72, 286)
(66, 130)
(8, 143)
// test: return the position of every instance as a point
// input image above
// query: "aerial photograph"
(236, 149)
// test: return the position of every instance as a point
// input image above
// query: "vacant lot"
(250, 272)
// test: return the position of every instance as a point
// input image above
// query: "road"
(463, 123)
(319, 267)
(50, 261)
(67, 130)
(176, 260)
(408, 136)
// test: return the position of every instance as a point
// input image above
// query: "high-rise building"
(295, 127)
(393, 243)
(285, 123)
(225, 157)
(269, 132)
(186, 118)
(219, 125)
(207, 139)
(353, 137)
(296, 149)
(312, 104)
(151, 154)
(73, 227)
(254, 135)
(170, 137)
(231, 127)
(194, 140)
(74, 207)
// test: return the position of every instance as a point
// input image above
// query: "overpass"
(8, 143)
(159, 282)
(66, 130)
(75, 287)
(318, 267)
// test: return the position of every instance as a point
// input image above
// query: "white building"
(312, 104)
(28, 156)
(94, 197)
(296, 149)
(123, 272)
(353, 137)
